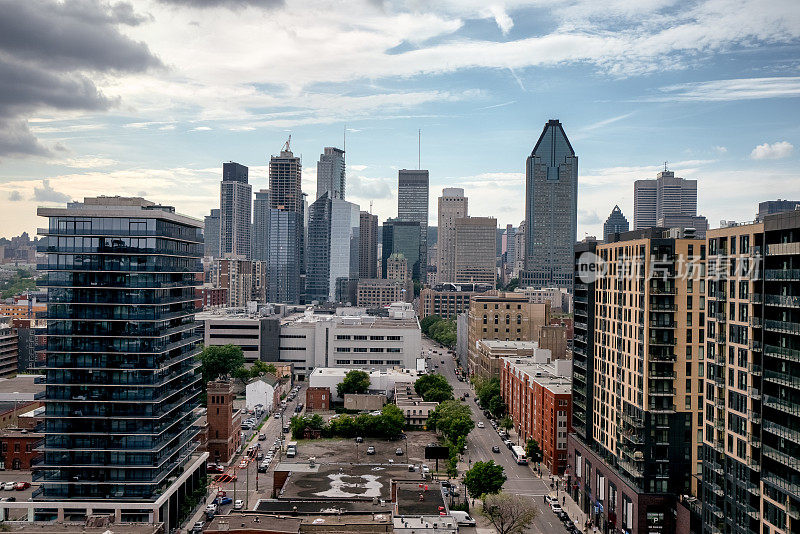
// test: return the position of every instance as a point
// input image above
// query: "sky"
(150, 97)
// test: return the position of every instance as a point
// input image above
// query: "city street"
(520, 478)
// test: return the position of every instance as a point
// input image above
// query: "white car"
(8, 486)
(556, 508)
(277, 416)
(212, 508)
(425, 469)
(238, 504)
(480, 424)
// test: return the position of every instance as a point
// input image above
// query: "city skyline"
(147, 117)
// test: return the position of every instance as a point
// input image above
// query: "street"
(520, 478)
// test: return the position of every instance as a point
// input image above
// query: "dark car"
(359, 439)
(495, 449)
(398, 451)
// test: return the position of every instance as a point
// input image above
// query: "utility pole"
(247, 488)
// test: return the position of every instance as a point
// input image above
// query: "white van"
(462, 518)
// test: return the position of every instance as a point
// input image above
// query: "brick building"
(554, 338)
(211, 297)
(18, 448)
(224, 422)
(539, 400)
(318, 399)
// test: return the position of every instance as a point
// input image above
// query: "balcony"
(754, 417)
(791, 408)
(633, 438)
(783, 249)
(782, 432)
(785, 327)
(754, 393)
(783, 353)
(754, 440)
(784, 301)
(721, 337)
(781, 457)
(755, 322)
(756, 298)
(788, 275)
(633, 470)
(667, 408)
(666, 290)
(661, 392)
(755, 345)
(661, 342)
(783, 379)
(754, 369)
(636, 422)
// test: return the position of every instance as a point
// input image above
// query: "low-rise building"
(212, 297)
(364, 402)
(256, 335)
(318, 399)
(539, 400)
(18, 448)
(491, 352)
(380, 381)
(413, 407)
(224, 422)
(379, 292)
(262, 390)
(560, 298)
(554, 339)
(448, 300)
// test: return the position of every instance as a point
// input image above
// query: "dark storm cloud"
(230, 4)
(48, 52)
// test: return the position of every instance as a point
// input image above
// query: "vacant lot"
(348, 451)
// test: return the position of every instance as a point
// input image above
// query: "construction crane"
(286, 144)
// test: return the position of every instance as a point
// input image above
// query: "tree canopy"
(388, 424)
(354, 381)
(433, 388)
(509, 513)
(453, 419)
(484, 478)
(488, 392)
(217, 361)
(439, 329)
(533, 451)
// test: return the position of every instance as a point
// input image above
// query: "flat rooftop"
(348, 482)
(500, 344)
(410, 503)
(340, 372)
(225, 523)
(354, 321)
(322, 507)
(21, 387)
(71, 528)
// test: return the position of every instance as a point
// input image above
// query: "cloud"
(504, 22)
(728, 90)
(228, 4)
(48, 52)
(47, 194)
(778, 150)
(721, 149)
(200, 129)
(366, 189)
(14, 196)
(606, 122)
(588, 217)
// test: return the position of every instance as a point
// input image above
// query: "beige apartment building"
(503, 316)
(452, 206)
(378, 292)
(492, 351)
(476, 250)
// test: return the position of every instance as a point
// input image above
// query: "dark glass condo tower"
(122, 379)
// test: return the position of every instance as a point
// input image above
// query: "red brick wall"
(318, 399)
(223, 423)
(18, 451)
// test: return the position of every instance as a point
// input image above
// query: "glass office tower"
(122, 379)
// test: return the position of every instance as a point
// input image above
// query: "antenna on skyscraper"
(370, 207)
(419, 149)
(665, 166)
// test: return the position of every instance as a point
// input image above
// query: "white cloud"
(504, 22)
(200, 129)
(726, 90)
(721, 149)
(777, 150)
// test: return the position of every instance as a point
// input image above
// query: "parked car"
(277, 415)
(370, 450)
(262, 437)
(214, 468)
(480, 424)
(495, 449)
(238, 505)
(425, 469)
(509, 443)
(462, 518)
(224, 500)
(211, 508)
(198, 527)
(8, 486)
(555, 507)
(549, 500)
(398, 451)
(359, 439)
(21, 486)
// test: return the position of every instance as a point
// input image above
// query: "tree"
(484, 478)
(433, 388)
(260, 368)
(242, 373)
(533, 451)
(391, 421)
(453, 419)
(354, 382)
(217, 361)
(509, 513)
(506, 423)
(497, 406)
(427, 322)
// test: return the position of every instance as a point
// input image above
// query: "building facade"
(502, 316)
(539, 401)
(551, 210)
(448, 300)
(475, 260)
(9, 350)
(331, 173)
(260, 234)
(492, 351)
(333, 240)
(642, 444)
(235, 208)
(368, 245)
(235, 275)
(379, 292)
(224, 422)
(771, 207)
(286, 252)
(402, 237)
(211, 234)
(616, 223)
(667, 195)
(412, 205)
(453, 205)
(123, 369)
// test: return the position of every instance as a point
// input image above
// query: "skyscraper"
(260, 233)
(285, 258)
(475, 260)
(368, 245)
(211, 235)
(452, 205)
(551, 210)
(235, 203)
(331, 173)
(333, 240)
(775, 206)
(402, 237)
(122, 377)
(412, 205)
(665, 196)
(615, 224)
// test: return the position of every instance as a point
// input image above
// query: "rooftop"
(342, 481)
(21, 387)
(225, 523)
(555, 377)
(411, 374)
(500, 344)
(409, 502)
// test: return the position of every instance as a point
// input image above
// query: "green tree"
(427, 322)
(484, 478)
(391, 421)
(509, 513)
(453, 419)
(487, 390)
(354, 382)
(217, 361)
(533, 451)
(261, 368)
(433, 388)
(506, 423)
(497, 406)
(242, 373)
